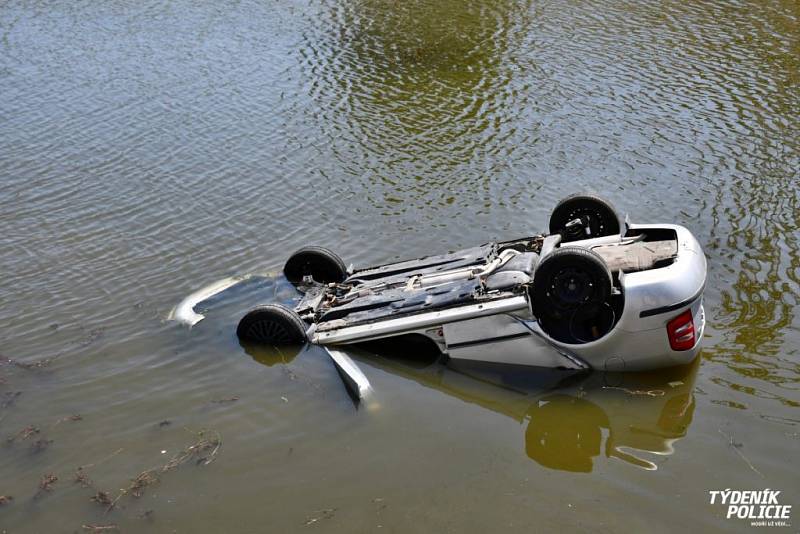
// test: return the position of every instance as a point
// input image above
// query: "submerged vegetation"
(202, 450)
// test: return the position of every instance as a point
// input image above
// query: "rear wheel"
(272, 324)
(597, 218)
(570, 281)
(321, 264)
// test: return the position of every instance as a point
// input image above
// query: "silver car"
(592, 293)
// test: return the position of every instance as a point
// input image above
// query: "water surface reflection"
(571, 419)
(149, 148)
(416, 100)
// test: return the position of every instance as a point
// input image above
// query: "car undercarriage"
(593, 292)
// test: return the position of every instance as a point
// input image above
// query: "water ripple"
(148, 148)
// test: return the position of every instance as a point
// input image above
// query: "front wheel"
(272, 324)
(322, 265)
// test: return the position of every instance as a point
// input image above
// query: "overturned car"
(591, 293)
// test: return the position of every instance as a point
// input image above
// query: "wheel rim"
(592, 218)
(320, 269)
(269, 331)
(307, 269)
(570, 288)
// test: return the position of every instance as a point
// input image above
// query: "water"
(150, 148)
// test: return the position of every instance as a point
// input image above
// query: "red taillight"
(681, 331)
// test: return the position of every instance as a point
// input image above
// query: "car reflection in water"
(571, 418)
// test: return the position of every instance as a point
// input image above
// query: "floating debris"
(204, 451)
(93, 336)
(736, 446)
(137, 487)
(5, 499)
(101, 528)
(70, 418)
(116, 452)
(82, 478)
(36, 364)
(24, 434)
(103, 498)
(198, 451)
(165, 422)
(288, 372)
(46, 484)
(145, 479)
(45, 362)
(225, 400)
(639, 392)
(327, 513)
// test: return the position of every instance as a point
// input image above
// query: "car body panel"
(508, 335)
(500, 326)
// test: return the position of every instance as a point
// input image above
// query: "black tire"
(272, 324)
(323, 265)
(570, 280)
(597, 214)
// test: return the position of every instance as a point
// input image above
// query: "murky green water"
(150, 148)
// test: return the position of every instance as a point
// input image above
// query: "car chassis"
(590, 294)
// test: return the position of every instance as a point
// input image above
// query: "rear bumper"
(639, 341)
(646, 349)
(653, 297)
